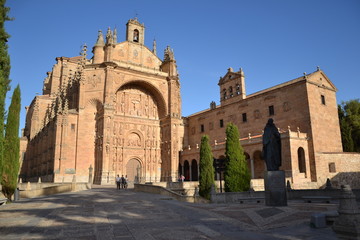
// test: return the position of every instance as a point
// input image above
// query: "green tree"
(4, 73)
(237, 176)
(349, 117)
(12, 146)
(206, 178)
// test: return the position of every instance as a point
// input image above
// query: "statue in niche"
(120, 128)
(146, 110)
(115, 128)
(154, 111)
(148, 131)
(114, 156)
(272, 146)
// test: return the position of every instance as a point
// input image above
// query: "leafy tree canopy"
(349, 117)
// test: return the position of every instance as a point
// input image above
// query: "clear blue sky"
(273, 41)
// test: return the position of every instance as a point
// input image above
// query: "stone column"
(252, 168)
(190, 172)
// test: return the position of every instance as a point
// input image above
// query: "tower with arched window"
(135, 31)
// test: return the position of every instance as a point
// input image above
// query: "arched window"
(194, 170)
(231, 92)
(237, 89)
(224, 94)
(301, 160)
(136, 35)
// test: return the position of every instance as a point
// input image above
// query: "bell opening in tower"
(136, 35)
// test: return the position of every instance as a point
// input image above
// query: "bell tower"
(135, 31)
(232, 86)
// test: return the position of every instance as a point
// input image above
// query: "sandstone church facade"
(120, 113)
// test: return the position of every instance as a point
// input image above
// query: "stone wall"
(340, 168)
(39, 190)
(166, 192)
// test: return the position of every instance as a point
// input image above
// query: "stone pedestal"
(275, 189)
(347, 224)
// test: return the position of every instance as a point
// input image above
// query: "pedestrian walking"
(118, 181)
(126, 181)
(122, 181)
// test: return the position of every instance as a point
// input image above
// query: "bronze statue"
(272, 146)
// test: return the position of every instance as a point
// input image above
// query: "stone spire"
(115, 36)
(169, 54)
(100, 39)
(154, 46)
(169, 63)
(109, 36)
(241, 72)
(98, 49)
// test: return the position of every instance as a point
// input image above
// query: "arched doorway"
(249, 164)
(133, 172)
(301, 160)
(194, 170)
(259, 165)
(186, 170)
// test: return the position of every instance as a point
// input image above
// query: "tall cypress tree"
(237, 176)
(206, 178)
(4, 73)
(12, 146)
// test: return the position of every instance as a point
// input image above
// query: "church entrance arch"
(133, 171)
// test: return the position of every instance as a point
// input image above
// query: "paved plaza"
(107, 213)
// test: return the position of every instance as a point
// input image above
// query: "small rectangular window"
(244, 117)
(323, 100)
(221, 123)
(202, 129)
(271, 110)
(72, 127)
(332, 167)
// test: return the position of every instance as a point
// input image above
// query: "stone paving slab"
(107, 213)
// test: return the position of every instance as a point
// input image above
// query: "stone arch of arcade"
(194, 171)
(259, 165)
(250, 164)
(190, 170)
(186, 170)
